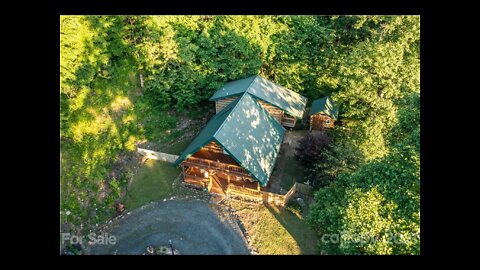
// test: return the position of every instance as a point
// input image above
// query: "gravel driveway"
(194, 226)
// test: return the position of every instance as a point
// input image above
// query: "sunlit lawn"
(274, 231)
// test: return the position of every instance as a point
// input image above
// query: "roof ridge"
(281, 86)
(256, 76)
(227, 110)
(272, 84)
(270, 118)
(240, 93)
(274, 122)
(231, 110)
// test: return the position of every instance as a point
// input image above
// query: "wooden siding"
(274, 111)
(214, 147)
(212, 157)
(319, 121)
(279, 115)
(221, 103)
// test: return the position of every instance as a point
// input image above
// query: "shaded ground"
(153, 181)
(287, 169)
(194, 226)
(178, 147)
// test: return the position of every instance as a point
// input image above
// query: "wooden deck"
(243, 190)
(213, 170)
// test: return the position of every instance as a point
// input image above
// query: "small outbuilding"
(323, 113)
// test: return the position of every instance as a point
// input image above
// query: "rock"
(120, 207)
(150, 250)
(301, 202)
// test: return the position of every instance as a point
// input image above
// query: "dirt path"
(194, 226)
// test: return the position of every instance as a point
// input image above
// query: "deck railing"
(217, 165)
(288, 121)
(244, 192)
(265, 196)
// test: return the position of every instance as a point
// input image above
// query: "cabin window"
(327, 121)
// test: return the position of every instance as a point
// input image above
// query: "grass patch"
(274, 231)
(152, 182)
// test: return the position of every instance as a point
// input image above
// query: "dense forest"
(367, 176)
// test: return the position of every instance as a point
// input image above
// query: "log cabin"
(323, 113)
(235, 153)
(285, 105)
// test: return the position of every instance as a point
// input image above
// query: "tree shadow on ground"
(297, 227)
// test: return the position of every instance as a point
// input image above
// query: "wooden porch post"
(227, 192)
(258, 186)
(209, 183)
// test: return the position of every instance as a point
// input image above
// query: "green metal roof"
(277, 95)
(326, 106)
(247, 132)
(207, 134)
(233, 88)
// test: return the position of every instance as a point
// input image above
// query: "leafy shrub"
(310, 147)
